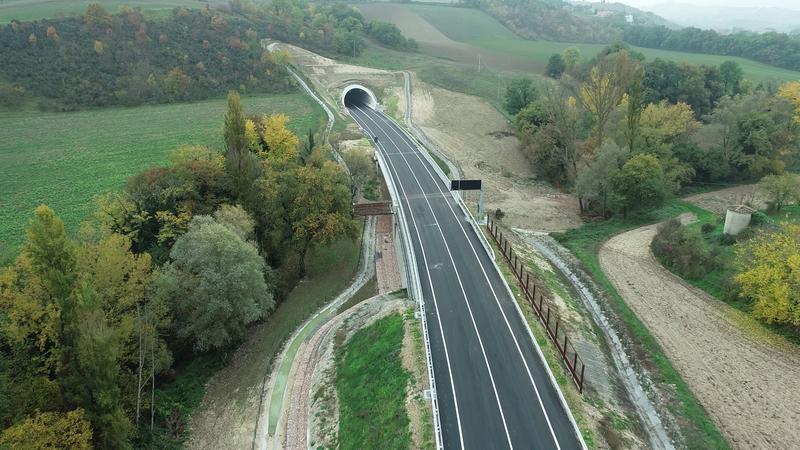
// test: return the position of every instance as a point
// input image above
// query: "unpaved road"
(750, 387)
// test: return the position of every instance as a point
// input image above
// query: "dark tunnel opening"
(357, 97)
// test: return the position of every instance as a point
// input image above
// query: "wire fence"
(534, 295)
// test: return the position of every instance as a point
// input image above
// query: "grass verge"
(584, 242)
(371, 383)
(369, 290)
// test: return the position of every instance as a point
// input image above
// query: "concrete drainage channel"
(275, 396)
(563, 261)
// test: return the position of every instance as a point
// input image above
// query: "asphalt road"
(493, 388)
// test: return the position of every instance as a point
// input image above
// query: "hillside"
(461, 34)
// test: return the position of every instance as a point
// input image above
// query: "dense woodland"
(125, 59)
(177, 265)
(626, 136)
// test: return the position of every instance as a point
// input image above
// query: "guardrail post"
(565, 344)
(580, 386)
(558, 322)
(574, 363)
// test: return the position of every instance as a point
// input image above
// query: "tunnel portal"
(357, 95)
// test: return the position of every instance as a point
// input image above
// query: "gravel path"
(750, 388)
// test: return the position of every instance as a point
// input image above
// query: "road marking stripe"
(491, 287)
(458, 277)
(435, 303)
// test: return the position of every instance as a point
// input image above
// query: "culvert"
(358, 95)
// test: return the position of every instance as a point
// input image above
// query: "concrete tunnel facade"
(358, 95)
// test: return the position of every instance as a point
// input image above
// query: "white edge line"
(416, 291)
(458, 277)
(516, 304)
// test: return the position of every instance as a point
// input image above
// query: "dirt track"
(749, 386)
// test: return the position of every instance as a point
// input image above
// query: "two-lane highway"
(493, 387)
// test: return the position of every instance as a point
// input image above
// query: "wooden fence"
(547, 315)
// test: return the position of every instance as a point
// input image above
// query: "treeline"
(328, 28)
(777, 49)
(625, 135)
(176, 266)
(553, 20)
(125, 59)
(546, 20)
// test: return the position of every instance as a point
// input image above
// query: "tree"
(361, 167)
(769, 274)
(593, 184)
(215, 280)
(120, 282)
(237, 220)
(321, 211)
(791, 92)
(281, 143)
(241, 165)
(519, 93)
(732, 75)
(572, 57)
(93, 381)
(234, 128)
(605, 88)
(96, 16)
(50, 430)
(633, 114)
(639, 184)
(781, 190)
(555, 66)
(664, 123)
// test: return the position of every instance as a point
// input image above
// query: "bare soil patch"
(476, 137)
(718, 201)
(749, 386)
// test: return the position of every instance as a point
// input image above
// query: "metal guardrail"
(551, 322)
(410, 261)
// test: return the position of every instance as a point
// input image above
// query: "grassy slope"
(473, 27)
(371, 382)
(27, 10)
(64, 159)
(329, 271)
(585, 242)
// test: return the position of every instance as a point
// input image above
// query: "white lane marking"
(458, 277)
(483, 270)
(433, 294)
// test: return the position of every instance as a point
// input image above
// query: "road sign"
(465, 185)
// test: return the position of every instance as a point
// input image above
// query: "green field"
(65, 159)
(467, 32)
(27, 10)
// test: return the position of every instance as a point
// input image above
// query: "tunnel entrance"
(357, 95)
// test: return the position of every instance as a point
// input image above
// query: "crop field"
(65, 159)
(461, 34)
(27, 10)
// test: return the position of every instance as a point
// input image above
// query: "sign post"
(470, 185)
